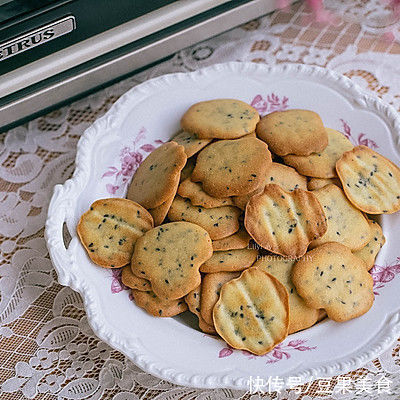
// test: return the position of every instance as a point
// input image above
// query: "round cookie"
(156, 306)
(323, 164)
(252, 312)
(371, 182)
(298, 132)
(190, 142)
(333, 278)
(134, 282)
(109, 230)
(369, 252)
(218, 222)
(230, 260)
(170, 256)
(198, 197)
(232, 167)
(300, 316)
(284, 222)
(220, 119)
(346, 224)
(157, 177)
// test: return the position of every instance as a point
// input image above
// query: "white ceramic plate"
(172, 348)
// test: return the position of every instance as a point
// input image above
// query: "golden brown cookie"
(230, 260)
(232, 167)
(346, 224)
(220, 119)
(190, 142)
(301, 316)
(218, 222)
(133, 281)
(156, 306)
(369, 252)
(210, 291)
(284, 223)
(333, 278)
(110, 228)
(159, 213)
(157, 177)
(198, 197)
(170, 256)
(252, 312)
(322, 164)
(298, 132)
(193, 301)
(371, 182)
(239, 240)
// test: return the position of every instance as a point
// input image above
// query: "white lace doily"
(47, 349)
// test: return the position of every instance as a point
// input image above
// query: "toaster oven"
(54, 51)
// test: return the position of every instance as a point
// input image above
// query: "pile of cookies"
(257, 226)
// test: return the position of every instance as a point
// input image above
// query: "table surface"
(47, 349)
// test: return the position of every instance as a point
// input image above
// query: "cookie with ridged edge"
(346, 224)
(230, 260)
(198, 197)
(220, 119)
(193, 301)
(156, 306)
(295, 131)
(301, 316)
(333, 278)
(133, 281)
(371, 182)
(285, 222)
(318, 183)
(157, 177)
(286, 177)
(322, 164)
(110, 228)
(239, 240)
(219, 222)
(252, 312)
(232, 167)
(210, 291)
(369, 252)
(190, 142)
(170, 255)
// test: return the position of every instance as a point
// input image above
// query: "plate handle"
(59, 207)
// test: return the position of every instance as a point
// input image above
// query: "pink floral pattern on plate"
(129, 158)
(384, 274)
(361, 139)
(280, 352)
(116, 282)
(270, 103)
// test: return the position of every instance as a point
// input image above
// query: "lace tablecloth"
(47, 349)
